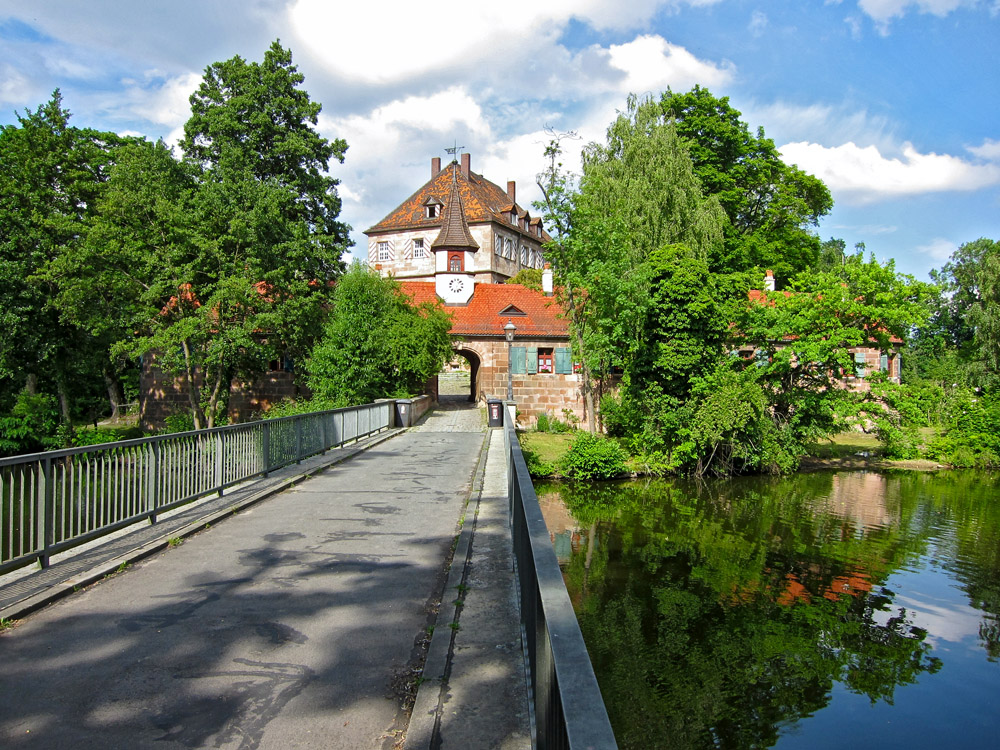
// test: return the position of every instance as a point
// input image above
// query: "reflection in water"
(830, 609)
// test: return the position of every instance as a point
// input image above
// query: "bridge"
(362, 597)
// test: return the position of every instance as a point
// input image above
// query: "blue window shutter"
(563, 365)
(532, 359)
(883, 362)
(517, 360)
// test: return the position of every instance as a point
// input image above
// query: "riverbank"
(846, 451)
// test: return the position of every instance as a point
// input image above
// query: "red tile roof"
(482, 316)
(482, 200)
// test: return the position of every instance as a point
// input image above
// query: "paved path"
(299, 623)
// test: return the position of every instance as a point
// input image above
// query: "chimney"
(435, 166)
(547, 281)
(512, 191)
(466, 163)
(769, 280)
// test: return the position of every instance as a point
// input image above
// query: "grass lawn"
(846, 444)
(550, 446)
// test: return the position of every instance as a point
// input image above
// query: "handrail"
(568, 709)
(56, 500)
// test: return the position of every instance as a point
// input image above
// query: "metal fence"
(52, 501)
(568, 709)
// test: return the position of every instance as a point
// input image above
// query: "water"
(828, 610)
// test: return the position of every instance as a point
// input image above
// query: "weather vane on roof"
(454, 150)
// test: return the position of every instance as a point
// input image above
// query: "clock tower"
(454, 248)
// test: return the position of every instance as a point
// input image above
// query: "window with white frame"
(498, 245)
(418, 248)
(383, 252)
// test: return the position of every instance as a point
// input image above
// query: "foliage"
(970, 426)
(101, 435)
(593, 456)
(545, 423)
(30, 425)
(529, 277)
(51, 176)
(771, 206)
(376, 345)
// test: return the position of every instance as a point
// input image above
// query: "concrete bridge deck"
(300, 622)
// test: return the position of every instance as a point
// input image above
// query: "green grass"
(846, 444)
(550, 446)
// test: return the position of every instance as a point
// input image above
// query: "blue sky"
(895, 104)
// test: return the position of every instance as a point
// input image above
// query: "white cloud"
(990, 150)
(938, 249)
(821, 122)
(651, 64)
(14, 87)
(758, 23)
(883, 11)
(863, 174)
(457, 35)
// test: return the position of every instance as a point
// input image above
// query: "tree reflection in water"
(720, 614)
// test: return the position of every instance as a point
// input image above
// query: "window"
(383, 252)
(498, 245)
(860, 362)
(883, 362)
(432, 210)
(545, 361)
(418, 248)
(455, 263)
(508, 248)
(524, 255)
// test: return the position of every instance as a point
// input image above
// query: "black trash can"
(494, 412)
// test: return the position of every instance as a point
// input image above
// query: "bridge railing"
(567, 705)
(53, 501)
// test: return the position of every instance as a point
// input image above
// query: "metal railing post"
(152, 481)
(219, 467)
(265, 444)
(46, 513)
(298, 439)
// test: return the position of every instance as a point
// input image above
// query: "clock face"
(456, 285)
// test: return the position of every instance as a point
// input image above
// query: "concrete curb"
(57, 591)
(425, 717)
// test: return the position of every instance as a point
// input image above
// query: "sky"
(894, 104)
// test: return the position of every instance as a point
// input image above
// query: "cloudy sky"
(895, 104)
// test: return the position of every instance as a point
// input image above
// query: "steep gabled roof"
(487, 311)
(482, 201)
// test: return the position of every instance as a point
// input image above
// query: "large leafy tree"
(771, 205)
(224, 261)
(376, 344)
(637, 194)
(51, 177)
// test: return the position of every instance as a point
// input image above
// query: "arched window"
(455, 263)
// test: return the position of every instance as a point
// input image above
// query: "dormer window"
(432, 208)
(513, 217)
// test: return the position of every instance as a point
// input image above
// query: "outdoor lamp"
(508, 333)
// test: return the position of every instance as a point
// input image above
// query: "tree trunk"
(194, 396)
(116, 394)
(31, 384)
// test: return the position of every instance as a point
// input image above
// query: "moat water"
(826, 610)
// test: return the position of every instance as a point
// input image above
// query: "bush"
(101, 435)
(32, 425)
(593, 456)
(542, 423)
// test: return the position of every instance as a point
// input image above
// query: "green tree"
(222, 262)
(51, 177)
(376, 344)
(771, 205)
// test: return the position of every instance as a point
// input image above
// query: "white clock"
(455, 286)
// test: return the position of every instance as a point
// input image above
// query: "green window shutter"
(517, 360)
(532, 360)
(883, 362)
(562, 363)
(860, 363)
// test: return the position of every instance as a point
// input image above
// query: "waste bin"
(494, 411)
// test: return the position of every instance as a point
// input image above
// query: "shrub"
(593, 456)
(542, 423)
(102, 435)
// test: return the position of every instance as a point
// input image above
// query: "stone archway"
(448, 385)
